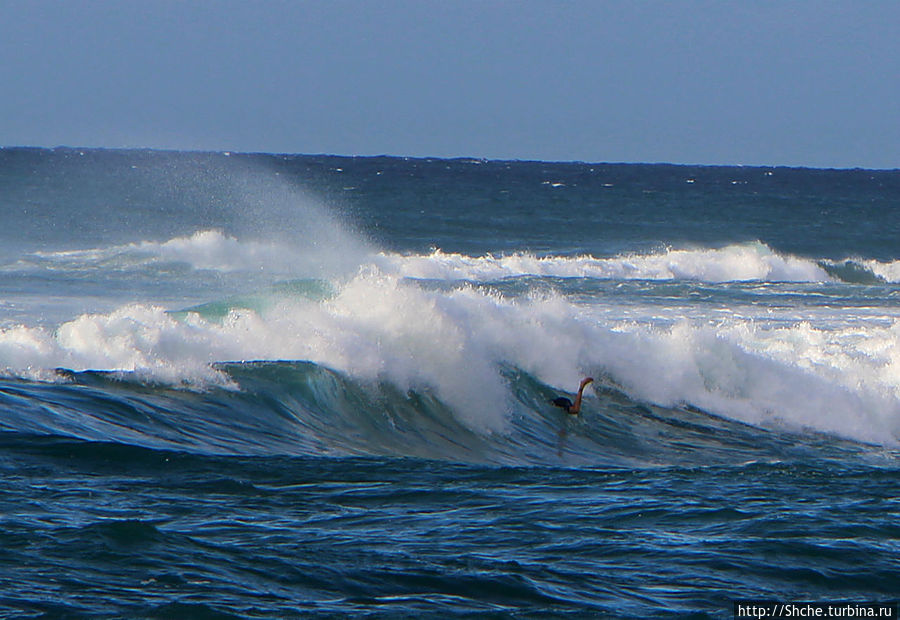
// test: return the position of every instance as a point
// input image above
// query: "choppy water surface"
(278, 386)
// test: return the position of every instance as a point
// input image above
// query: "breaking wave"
(458, 348)
(741, 262)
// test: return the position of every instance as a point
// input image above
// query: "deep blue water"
(288, 386)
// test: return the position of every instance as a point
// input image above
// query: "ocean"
(277, 386)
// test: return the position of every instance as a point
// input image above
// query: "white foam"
(134, 338)
(843, 379)
(743, 262)
(888, 271)
(751, 374)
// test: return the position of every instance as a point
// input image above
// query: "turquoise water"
(288, 386)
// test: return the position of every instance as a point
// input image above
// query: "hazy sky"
(753, 82)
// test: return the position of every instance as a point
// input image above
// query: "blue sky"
(713, 82)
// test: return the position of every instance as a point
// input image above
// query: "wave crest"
(743, 262)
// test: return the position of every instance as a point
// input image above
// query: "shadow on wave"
(302, 409)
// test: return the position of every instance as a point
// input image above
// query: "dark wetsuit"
(563, 403)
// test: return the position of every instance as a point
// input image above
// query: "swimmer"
(564, 403)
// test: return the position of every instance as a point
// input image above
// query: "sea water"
(287, 386)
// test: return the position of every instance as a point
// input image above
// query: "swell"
(303, 409)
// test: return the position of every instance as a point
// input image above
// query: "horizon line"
(230, 152)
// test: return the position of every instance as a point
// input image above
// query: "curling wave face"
(303, 409)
